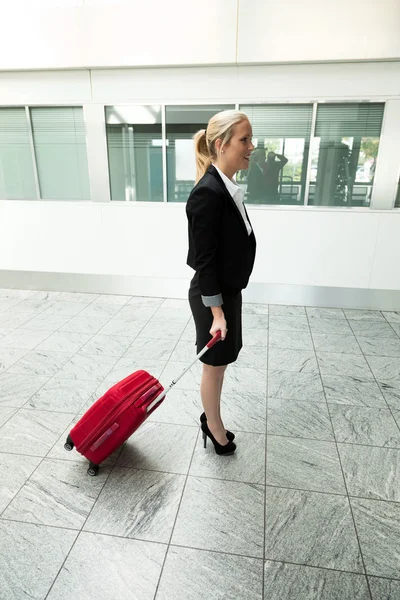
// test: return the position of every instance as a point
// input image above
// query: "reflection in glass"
(344, 154)
(134, 144)
(182, 122)
(278, 166)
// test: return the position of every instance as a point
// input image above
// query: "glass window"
(182, 122)
(60, 147)
(397, 202)
(17, 179)
(345, 149)
(278, 166)
(135, 153)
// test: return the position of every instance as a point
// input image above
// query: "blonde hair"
(220, 126)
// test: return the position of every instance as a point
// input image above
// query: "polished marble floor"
(308, 508)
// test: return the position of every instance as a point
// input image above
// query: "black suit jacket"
(220, 249)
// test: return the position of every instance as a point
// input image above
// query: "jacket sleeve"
(204, 212)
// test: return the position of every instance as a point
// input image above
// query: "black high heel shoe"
(229, 435)
(220, 449)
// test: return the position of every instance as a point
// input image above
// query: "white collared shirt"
(238, 196)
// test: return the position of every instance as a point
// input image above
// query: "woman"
(222, 251)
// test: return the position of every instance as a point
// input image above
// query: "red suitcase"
(114, 417)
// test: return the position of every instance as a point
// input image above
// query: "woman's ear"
(218, 144)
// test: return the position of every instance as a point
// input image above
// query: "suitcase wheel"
(93, 470)
(69, 444)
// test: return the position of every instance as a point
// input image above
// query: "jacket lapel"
(213, 171)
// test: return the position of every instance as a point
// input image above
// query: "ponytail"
(203, 156)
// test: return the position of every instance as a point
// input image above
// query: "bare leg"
(210, 389)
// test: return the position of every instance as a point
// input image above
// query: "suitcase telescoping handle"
(210, 344)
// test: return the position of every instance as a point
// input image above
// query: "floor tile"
(288, 323)
(14, 471)
(24, 338)
(360, 425)
(9, 356)
(289, 582)
(130, 312)
(378, 529)
(172, 315)
(137, 504)
(160, 447)
(180, 407)
(16, 390)
(107, 567)
(330, 342)
(311, 529)
(82, 297)
(48, 295)
(32, 307)
(255, 337)
(295, 386)
(325, 313)
(385, 369)
(247, 464)
(181, 351)
(84, 325)
(189, 333)
(57, 494)
(163, 330)
(287, 311)
(6, 413)
(65, 308)
(62, 395)
(299, 340)
(145, 301)
(373, 329)
(40, 363)
(106, 345)
(384, 589)
(371, 472)
(11, 320)
(150, 349)
(363, 315)
(392, 316)
(255, 321)
(380, 346)
(302, 361)
(62, 341)
(299, 419)
(254, 357)
(255, 309)
(216, 575)
(176, 303)
(330, 326)
(211, 516)
(112, 299)
(100, 311)
(117, 326)
(8, 304)
(353, 391)
(391, 393)
(15, 293)
(348, 365)
(304, 464)
(244, 412)
(47, 322)
(87, 368)
(32, 432)
(30, 558)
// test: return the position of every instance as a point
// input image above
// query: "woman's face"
(236, 153)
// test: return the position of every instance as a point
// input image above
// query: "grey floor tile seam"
(293, 437)
(391, 325)
(79, 531)
(266, 453)
(342, 470)
(176, 517)
(376, 381)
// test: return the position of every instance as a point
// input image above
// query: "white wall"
(64, 34)
(296, 246)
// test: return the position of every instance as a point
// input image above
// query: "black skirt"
(227, 351)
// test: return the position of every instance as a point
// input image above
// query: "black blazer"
(220, 249)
